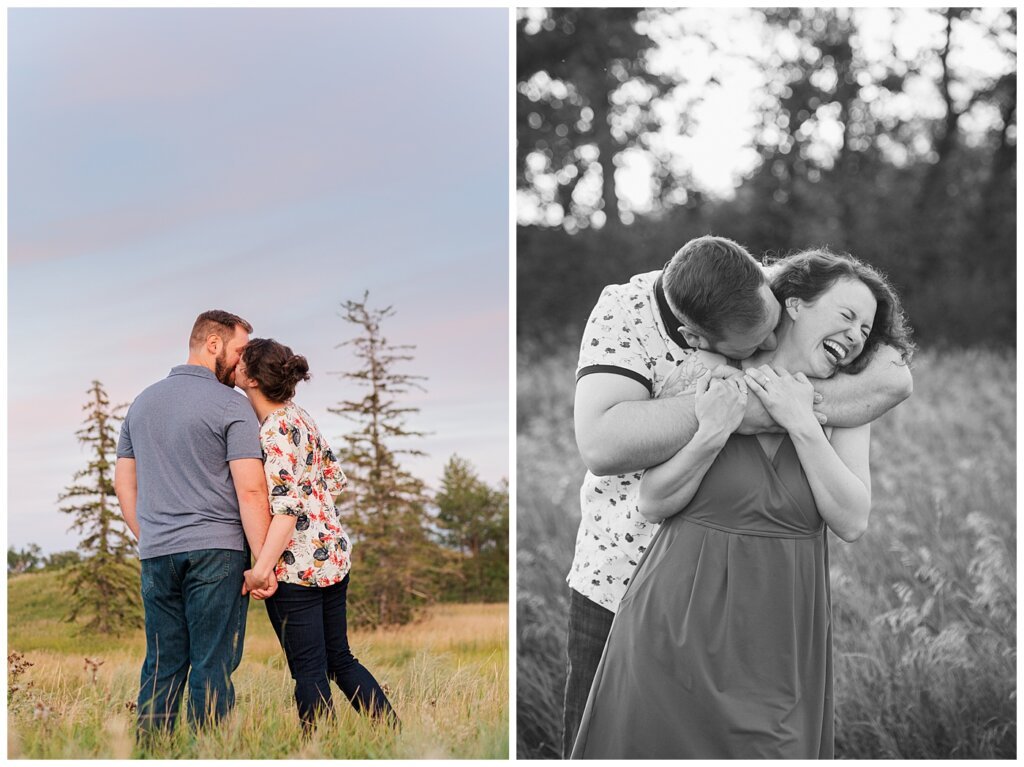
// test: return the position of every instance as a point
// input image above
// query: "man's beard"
(221, 370)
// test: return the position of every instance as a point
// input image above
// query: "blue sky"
(273, 163)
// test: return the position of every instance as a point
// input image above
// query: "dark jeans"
(589, 624)
(310, 622)
(195, 618)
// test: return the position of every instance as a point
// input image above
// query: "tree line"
(849, 154)
(412, 547)
(31, 559)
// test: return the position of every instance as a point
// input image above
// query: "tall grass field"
(924, 604)
(447, 677)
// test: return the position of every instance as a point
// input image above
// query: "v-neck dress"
(722, 644)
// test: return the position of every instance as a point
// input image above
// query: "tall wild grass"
(924, 604)
(447, 677)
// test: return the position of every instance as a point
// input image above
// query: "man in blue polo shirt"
(189, 478)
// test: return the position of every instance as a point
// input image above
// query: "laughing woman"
(722, 645)
(306, 547)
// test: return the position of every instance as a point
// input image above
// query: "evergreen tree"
(105, 585)
(473, 519)
(384, 508)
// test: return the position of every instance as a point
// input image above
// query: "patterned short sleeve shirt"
(304, 477)
(631, 332)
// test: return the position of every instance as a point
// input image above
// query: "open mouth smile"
(835, 351)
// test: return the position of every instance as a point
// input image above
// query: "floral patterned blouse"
(304, 476)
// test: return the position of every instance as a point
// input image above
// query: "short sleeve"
(124, 441)
(281, 466)
(241, 430)
(612, 341)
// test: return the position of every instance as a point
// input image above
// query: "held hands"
(260, 586)
(720, 403)
(789, 399)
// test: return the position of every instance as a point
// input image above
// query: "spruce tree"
(104, 586)
(473, 519)
(384, 507)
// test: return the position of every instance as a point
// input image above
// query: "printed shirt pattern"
(304, 476)
(631, 332)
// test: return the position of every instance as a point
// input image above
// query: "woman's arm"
(839, 475)
(282, 527)
(667, 488)
(837, 471)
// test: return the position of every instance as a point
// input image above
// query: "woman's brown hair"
(808, 274)
(274, 367)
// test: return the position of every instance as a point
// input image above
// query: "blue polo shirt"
(182, 432)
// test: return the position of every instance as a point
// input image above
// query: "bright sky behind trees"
(273, 163)
(721, 61)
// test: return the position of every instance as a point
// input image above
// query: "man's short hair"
(215, 322)
(717, 284)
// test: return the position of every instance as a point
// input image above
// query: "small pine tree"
(473, 519)
(384, 508)
(104, 586)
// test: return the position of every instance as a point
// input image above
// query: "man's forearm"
(636, 434)
(254, 510)
(854, 400)
(126, 489)
(128, 500)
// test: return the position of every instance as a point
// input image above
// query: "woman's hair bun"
(297, 367)
(274, 367)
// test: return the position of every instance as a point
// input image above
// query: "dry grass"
(447, 677)
(924, 604)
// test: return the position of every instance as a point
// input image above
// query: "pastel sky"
(273, 163)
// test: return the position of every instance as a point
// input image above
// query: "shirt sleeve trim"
(588, 369)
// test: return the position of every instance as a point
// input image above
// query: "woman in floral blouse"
(306, 547)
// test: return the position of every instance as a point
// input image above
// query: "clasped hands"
(260, 586)
(692, 375)
(788, 398)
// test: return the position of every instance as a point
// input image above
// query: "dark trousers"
(310, 622)
(589, 624)
(195, 626)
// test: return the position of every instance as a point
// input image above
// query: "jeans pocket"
(212, 565)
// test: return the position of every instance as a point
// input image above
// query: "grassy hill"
(447, 677)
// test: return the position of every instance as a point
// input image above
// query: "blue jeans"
(589, 625)
(195, 620)
(311, 624)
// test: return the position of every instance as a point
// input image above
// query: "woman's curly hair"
(808, 274)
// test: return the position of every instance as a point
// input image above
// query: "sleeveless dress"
(722, 645)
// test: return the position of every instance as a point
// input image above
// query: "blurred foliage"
(472, 520)
(906, 160)
(31, 559)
